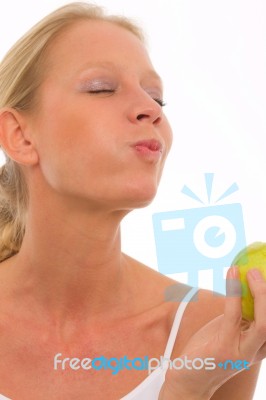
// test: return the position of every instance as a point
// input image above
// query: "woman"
(85, 139)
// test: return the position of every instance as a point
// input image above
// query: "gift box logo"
(201, 238)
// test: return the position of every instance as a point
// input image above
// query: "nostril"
(141, 116)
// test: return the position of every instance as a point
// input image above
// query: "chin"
(141, 196)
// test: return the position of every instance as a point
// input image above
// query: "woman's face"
(100, 131)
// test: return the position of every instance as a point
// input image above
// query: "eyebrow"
(110, 65)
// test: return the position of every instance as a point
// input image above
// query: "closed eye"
(101, 91)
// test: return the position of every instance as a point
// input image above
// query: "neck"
(72, 266)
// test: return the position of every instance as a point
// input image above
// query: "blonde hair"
(21, 73)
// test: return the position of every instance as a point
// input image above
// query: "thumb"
(232, 310)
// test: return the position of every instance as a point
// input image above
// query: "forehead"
(87, 42)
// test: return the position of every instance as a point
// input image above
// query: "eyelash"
(159, 101)
(101, 91)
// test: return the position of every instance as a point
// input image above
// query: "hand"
(227, 337)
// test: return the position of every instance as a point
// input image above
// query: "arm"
(240, 387)
(225, 337)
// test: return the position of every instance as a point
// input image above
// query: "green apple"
(252, 256)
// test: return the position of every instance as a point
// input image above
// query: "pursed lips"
(151, 145)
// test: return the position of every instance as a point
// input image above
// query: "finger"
(232, 310)
(257, 285)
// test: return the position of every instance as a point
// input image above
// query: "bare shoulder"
(204, 306)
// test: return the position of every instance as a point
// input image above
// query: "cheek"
(54, 146)
(72, 150)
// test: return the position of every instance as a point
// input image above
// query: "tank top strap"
(177, 321)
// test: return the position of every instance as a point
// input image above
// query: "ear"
(15, 139)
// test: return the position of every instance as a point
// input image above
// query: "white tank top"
(149, 389)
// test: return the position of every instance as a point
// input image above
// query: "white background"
(211, 55)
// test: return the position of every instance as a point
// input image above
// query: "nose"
(145, 110)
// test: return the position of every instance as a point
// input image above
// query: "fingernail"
(233, 288)
(234, 273)
(233, 284)
(255, 274)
